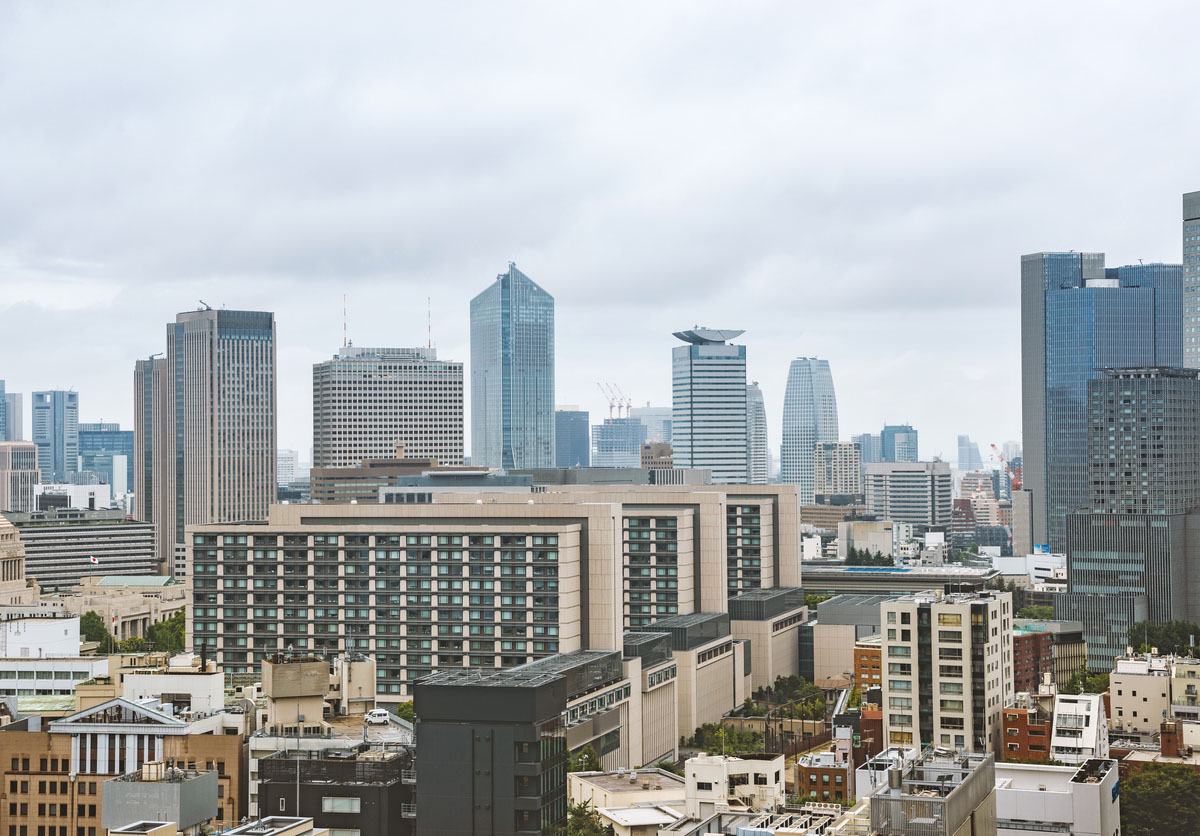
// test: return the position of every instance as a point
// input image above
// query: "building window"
(705, 786)
(340, 804)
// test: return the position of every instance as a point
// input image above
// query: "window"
(947, 619)
(344, 832)
(340, 804)
(704, 785)
(283, 805)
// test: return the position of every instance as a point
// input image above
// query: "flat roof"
(137, 580)
(513, 677)
(639, 816)
(619, 781)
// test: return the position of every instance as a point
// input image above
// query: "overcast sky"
(852, 181)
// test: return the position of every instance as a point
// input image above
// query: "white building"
(1039, 568)
(708, 398)
(873, 774)
(26, 634)
(714, 781)
(78, 496)
(1080, 728)
(286, 464)
(1139, 695)
(915, 492)
(1080, 800)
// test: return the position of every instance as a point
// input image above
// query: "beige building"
(18, 474)
(128, 603)
(152, 462)
(713, 668)
(769, 619)
(15, 590)
(837, 469)
(962, 645)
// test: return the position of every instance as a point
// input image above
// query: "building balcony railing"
(408, 811)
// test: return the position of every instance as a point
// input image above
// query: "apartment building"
(949, 670)
(1080, 728)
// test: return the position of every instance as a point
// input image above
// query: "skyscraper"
(367, 402)
(107, 450)
(837, 473)
(617, 442)
(708, 399)
(210, 424)
(1191, 280)
(1078, 318)
(512, 374)
(153, 466)
(18, 474)
(870, 448)
(4, 431)
(572, 444)
(56, 433)
(809, 418)
(968, 454)
(657, 420)
(14, 416)
(898, 443)
(758, 460)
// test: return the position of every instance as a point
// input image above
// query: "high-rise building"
(898, 443)
(572, 444)
(1078, 318)
(14, 416)
(870, 447)
(152, 465)
(949, 661)
(618, 443)
(210, 424)
(708, 391)
(809, 418)
(968, 454)
(837, 473)
(758, 460)
(4, 431)
(368, 403)
(1011, 450)
(108, 451)
(1191, 280)
(657, 420)
(18, 474)
(512, 374)
(285, 469)
(56, 433)
(921, 493)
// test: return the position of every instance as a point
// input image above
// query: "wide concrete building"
(920, 493)
(60, 545)
(770, 620)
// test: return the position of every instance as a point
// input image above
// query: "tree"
(712, 737)
(811, 600)
(168, 634)
(1161, 800)
(585, 760)
(1041, 612)
(1084, 681)
(92, 628)
(1169, 637)
(862, 557)
(405, 712)
(582, 820)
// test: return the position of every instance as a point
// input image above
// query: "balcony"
(408, 776)
(408, 811)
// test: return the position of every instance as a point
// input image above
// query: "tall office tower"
(618, 443)
(809, 418)
(708, 404)
(14, 416)
(1130, 558)
(207, 417)
(921, 493)
(968, 454)
(837, 473)
(56, 433)
(107, 450)
(572, 444)
(898, 443)
(950, 669)
(18, 474)
(285, 468)
(657, 420)
(870, 448)
(512, 374)
(758, 459)
(1011, 450)
(4, 431)
(1191, 280)
(1078, 318)
(369, 403)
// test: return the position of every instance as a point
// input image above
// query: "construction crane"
(622, 401)
(1016, 477)
(610, 396)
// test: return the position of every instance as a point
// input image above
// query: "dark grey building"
(572, 445)
(492, 750)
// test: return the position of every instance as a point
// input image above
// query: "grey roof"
(707, 336)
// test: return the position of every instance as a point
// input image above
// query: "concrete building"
(809, 418)
(657, 675)
(941, 793)
(1081, 800)
(1080, 728)
(733, 784)
(56, 433)
(59, 545)
(913, 492)
(708, 390)
(1140, 696)
(949, 664)
(827, 774)
(286, 465)
(1191, 271)
(373, 480)
(91, 497)
(572, 441)
(626, 788)
(837, 473)
(1031, 568)
(656, 455)
(617, 442)
(207, 418)
(871, 536)
(828, 641)
(366, 401)
(1034, 639)
(713, 668)
(19, 474)
(758, 457)
(187, 797)
(512, 374)
(14, 417)
(769, 619)
(825, 579)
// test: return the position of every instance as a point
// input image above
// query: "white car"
(377, 717)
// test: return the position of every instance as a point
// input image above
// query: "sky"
(855, 182)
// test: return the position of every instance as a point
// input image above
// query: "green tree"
(91, 627)
(405, 712)
(582, 820)
(1041, 612)
(585, 760)
(169, 634)
(1084, 681)
(1168, 637)
(133, 644)
(1161, 800)
(712, 737)
(811, 600)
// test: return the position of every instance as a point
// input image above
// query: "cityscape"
(660, 523)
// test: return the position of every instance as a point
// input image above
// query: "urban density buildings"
(60, 545)
(107, 450)
(19, 473)
(758, 459)
(370, 402)
(572, 443)
(206, 417)
(942, 792)
(512, 374)
(837, 473)
(968, 454)
(618, 443)
(1082, 800)
(898, 443)
(809, 418)
(1078, 318)
(708, 387)
(657, 420)
(56, 433)
(920, 493)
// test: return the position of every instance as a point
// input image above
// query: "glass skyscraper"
(512, 374)
(572, 444)
(758, 463)
(56, 434)
(708, 399)
(1078, 318)
(898, 443)
(99, 444)
(968, 454)
(617, 442)
(809, 418)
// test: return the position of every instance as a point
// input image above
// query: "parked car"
(377, 717)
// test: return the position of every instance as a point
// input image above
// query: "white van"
(377, 717)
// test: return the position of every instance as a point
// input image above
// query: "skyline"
(875, 200)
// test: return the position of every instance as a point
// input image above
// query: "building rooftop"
(273, 826)
(1045, 778)
(765, 604)
(512, 677)
(141, 827)
(619, 781)
(707, 336)
(659, 814)
(137, 580)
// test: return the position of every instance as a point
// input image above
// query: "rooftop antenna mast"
(345, 330)
(429, 321)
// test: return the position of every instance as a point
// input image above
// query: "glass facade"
(898, 443)
(572, 444)
(98, 444)
(809, 418)
(708, 389)
(758, 463)
(56, 434)
(512, 374)
(618, 443)
(1191, 280)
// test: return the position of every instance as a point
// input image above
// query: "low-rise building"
(827, 642)
(1028, 726)
(713, 668)
(1040, 646)
(187, 797)
(826, 775)
(769, 619)
(736, 784)
(942, 792)
(1139, 694)
(129, 604)
(1080, 728)
(1080, 800)
(626, 788)
(868, 662)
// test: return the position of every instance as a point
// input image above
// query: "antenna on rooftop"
(429, 321)
(345, 332)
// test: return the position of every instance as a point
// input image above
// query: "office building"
(369, 402)
(14, 416)
(837, 473)
(108, 451)
(572, 442)
(708, 387)
(618, 443)
(657, 456)
(920, 493)
(5, 433)
(870, 447)
(206, 415)
(285, 468)
(769, 619)
(758, 459)
(898, 443)
(1191, 280)
(56, 434)
(657, 420)
(968, 454)
(1082, 800)
(949, 664)
(18, 474)
(512, 374)
(1078, 318)
(508, 724)
(809, 418)
(60, 545)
